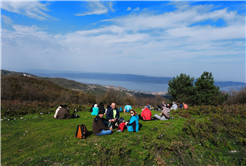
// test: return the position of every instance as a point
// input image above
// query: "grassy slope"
(42, 140)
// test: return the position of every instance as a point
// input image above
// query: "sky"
(151, 38)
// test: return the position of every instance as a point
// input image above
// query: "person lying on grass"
(113, 114)
(133, 125)
(165, 114)
(99, 125)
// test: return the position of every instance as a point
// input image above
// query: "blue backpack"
(120, 109)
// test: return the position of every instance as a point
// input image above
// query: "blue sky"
(157, 38)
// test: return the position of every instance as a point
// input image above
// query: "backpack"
(81, 131)
(121, 127)
(75, 116)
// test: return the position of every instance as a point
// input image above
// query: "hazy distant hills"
(120, 77)
(6, 72)
(131, 78)
(107, 76)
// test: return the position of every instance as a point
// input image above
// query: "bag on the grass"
(75, 116)
(121, 119)
(121, 127)
(81, 131)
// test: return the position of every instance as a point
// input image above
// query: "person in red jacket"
(146, 114)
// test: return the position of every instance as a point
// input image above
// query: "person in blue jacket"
(133, 125)
(113, 114)
(95, 110)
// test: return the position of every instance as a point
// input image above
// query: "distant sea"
(150, 87)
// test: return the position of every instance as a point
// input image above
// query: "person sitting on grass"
(133, 125)
(101, 106)
(63, 113)
(146, 114)
(99, 125)
(165, 114)
(94, 110)
(160, 107)
(57, 110)
(127, 108)
(174, 106)
(185, 106)
(113, 114)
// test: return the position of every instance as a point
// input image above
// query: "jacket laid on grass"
(133, 125)
(63, 114)
(98, 125)
(146, 114)
(109, 114)
(94, 111)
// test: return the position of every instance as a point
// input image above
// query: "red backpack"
(121, 126)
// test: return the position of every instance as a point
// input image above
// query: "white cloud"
(6, 19)
(33, 9)
(176, 19)
(111, 7)
(168, 43)
(97, 8)
(136, 8)
(128, 9)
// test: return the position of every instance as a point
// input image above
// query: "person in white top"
(174, 106)
(57, 110)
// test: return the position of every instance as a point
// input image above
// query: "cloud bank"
(164, 44)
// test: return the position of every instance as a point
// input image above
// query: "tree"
(206, 92)
(113, 96)
(203, 92)
(181, 88)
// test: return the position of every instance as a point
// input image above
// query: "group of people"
(102, 126)
(95, 108)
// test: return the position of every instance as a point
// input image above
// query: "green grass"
(42, 140)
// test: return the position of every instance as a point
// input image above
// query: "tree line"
(183, 88)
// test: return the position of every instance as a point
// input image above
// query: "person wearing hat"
(94, 110)
(101, 106)
(98, 125)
